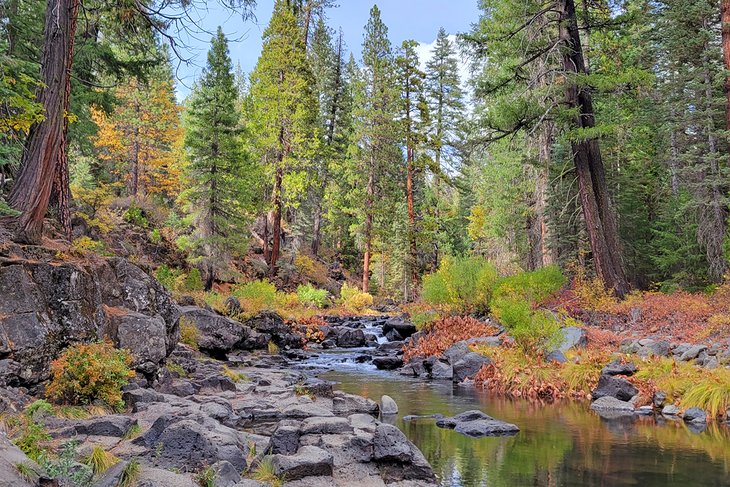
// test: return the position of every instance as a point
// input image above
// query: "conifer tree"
(217, 170)
(284, 115)
(376, 132)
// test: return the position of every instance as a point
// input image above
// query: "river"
(560, 444)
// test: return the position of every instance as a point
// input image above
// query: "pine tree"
(414, 120)
(446, 104)
(376, 132)
(217, 171)
(284, 115)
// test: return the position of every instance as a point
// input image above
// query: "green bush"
(192, 281)
(311, 296)
(534, 287)
(167, 276)
(256, 295)
(135, 215)
(354, 299)
(534, 331)
(461, 284)
(88, 372)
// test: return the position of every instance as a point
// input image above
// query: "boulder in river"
(615, 387)
(350, 337)
(388, 406)
(476, 424)
(404, 327)
(468, 366)
(388, 363)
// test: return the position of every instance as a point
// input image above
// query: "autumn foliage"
(445, 333)
(85, 373)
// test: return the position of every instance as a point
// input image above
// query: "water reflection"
(559, 445)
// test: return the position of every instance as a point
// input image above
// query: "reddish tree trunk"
(61, 191)
(32, 190)
(411, 219)
(276, 224)
(593, 190)
(368, 229)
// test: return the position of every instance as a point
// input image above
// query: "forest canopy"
(591, 135)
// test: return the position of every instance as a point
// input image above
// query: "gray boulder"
(388, 406)
(285, 440)
(388, 362)
(350, 337)
(216, 334)
(144, 336)
(404, 328)
(573, 337)
(611, 404)
(614, 387)
(476, 423)
(272, 325)
(692, 352)
(618, 368)
(226, 475)
(309, 461)
(441, 371)
(455, 352)
(344, 404)
(468, 366)
(670, 410)
(398, 458)
(695, 415)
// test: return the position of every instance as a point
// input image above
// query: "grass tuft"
(130, 474)
(265, 472)
(100, 460)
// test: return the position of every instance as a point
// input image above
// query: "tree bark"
(32, 190)
(276, 224)
(370, 192)
(595, 202)
(61, 191)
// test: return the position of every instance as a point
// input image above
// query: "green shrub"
(534, 331)
(354, 299)
(135, 215)
(167, 276)
(311, 296)
(192, 281)
(155, 236)
(461, 284)
(534, 287)
(256, 295)
(31, 440)
(88, 372)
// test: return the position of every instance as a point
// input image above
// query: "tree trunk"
(61, 191)
(411, 220)
(595, 202)
(317, 228)
(725, 19)
(368, 228)
(276, 224)
(32, 190)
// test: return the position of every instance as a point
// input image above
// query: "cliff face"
(48, 303)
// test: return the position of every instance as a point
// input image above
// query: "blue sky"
(406, 19)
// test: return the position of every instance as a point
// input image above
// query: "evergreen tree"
(284, 115)
(376, 132)
(220, 182)
(446, 104)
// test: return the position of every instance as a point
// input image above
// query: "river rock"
(144, 336)
(325, 426)
(404, 328)
(455, 352)
(615, 387)
(285, 439)
(619, 368)
(391, 347)
(10, 457)
(388, 363)
(476, 424)
(441, 371)
(344, 404)
(226, 475)
(414, 368)
(114, 425)
(670, 410)
(695, 415)
(272, 326)
(612, 404)
(469, 365)
(309, 461)
(388, 406)
(350, 337)
(556, 356)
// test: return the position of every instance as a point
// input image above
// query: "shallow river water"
(562, 444)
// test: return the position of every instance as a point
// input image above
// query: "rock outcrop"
(48, 305)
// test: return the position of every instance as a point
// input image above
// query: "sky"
(406, 19)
